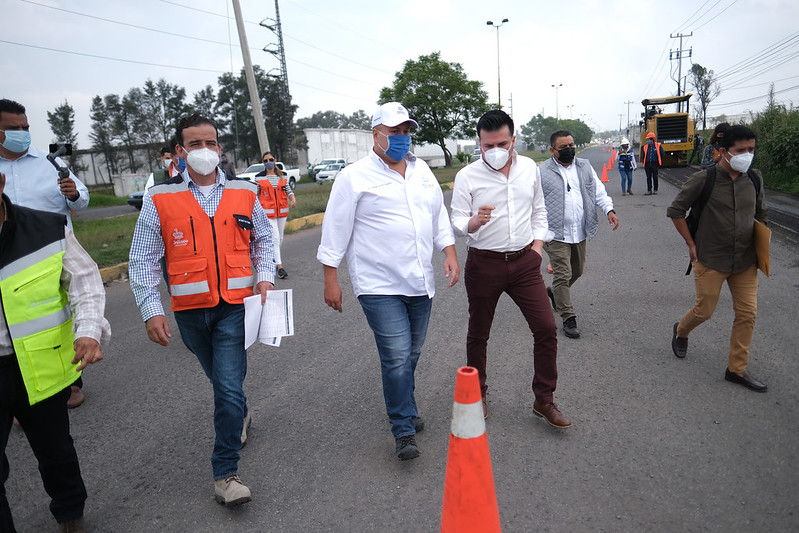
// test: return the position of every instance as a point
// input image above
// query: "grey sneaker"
(231, 491)
(406, 448)
(245, 427)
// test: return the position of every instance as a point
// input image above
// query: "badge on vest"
(177, 238)
(243, 221)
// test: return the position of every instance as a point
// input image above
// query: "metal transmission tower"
(678, 55)
(290, 155)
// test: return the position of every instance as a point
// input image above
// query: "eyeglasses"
(269, 161)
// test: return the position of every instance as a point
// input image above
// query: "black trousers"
(46, 425)
(651, 177)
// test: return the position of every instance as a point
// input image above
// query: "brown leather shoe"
(76, 397)
(551, 414)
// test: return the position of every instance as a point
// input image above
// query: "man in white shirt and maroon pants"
(498, 204)
(386, 212)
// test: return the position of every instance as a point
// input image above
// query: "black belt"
(505, 256)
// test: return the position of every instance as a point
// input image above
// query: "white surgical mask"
(741, 162)
(167, 162)
(496, 158)
(202, 160)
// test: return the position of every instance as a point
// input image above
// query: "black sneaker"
(551, 298)
(570, 328)
(281, 273)
(406, 448)
(679, 345)
(418, 424)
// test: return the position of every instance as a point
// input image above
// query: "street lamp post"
(497, 26)
(557, 110)
(570, 110)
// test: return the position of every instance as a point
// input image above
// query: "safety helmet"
(624, 141)
(650, 135)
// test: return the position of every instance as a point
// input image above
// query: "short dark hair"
(720, 129)
(557, 135)
(494, 120)
(10, 106)
(736, 133)
(173, 146)
(191, 121)
(165, 150)
(266, 154)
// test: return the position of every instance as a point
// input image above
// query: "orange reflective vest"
(274, 200)
(657, 147)
(206, 257)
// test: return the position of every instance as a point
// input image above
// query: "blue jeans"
(399, 324)
(626, 179)
(216, 336)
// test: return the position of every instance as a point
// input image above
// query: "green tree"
(235, 117)
(444, 102)
(777, 130)
(102, 134)
(162, 105)
(128, 124)
(359, 120)
(540, 128)
(205, 103)
(62, 124)
(323, 119)
(706, 86)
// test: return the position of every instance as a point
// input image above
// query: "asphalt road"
(657, 443)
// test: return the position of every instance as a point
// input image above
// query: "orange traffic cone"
(610, 163)
(470, 500)
(605, 173)
(603, 149)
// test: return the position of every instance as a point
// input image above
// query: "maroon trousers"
(486, 278)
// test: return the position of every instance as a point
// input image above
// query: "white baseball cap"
(392, 114)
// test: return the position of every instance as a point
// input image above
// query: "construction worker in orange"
(470, 500)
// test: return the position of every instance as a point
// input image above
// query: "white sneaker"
(231, 491)
(245, 427)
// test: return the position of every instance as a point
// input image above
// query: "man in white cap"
(386, 213)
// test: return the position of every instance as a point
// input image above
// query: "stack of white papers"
(269, 322)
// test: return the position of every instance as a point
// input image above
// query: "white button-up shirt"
(574, 213)
(387, 225)
(32, 181)
(520, 215)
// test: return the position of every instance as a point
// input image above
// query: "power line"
(717, 15)
(753, 99)
(684, 24)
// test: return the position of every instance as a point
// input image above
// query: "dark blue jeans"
(399, 324)
(216, 336)
(626, 179)
(46, 425)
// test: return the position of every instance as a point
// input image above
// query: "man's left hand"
(261, 289)
(613, 220)
(87, 352)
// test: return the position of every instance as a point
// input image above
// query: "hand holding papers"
(269, 322)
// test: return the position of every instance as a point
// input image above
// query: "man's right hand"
(158, 330)
(333, 295)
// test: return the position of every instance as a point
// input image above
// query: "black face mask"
(566, 155)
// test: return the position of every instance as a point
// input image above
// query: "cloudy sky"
(341, 53)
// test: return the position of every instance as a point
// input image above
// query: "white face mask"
(202, 160)
(496, 158)
(167, 162)
(741, 162)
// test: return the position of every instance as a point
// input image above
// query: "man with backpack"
(729, 196)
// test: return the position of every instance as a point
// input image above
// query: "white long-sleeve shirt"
(388, 227)
(574, 213)
(520, 215)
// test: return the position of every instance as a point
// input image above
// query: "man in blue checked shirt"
(218, 244)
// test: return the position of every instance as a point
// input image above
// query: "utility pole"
(497, 26)
(511, 105)
(628, 102)
(678, 55)
(620, 115)
(290, 157)
(255, 101)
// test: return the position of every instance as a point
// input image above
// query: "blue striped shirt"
(148, 248)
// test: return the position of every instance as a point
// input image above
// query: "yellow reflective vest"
(36, 306)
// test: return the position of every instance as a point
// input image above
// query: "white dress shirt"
(574, 213)
(520, 215)
(32, 181)
(387, 225)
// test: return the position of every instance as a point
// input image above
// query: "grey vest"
(555, 196)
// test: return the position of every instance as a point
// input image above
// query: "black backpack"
(696, 209)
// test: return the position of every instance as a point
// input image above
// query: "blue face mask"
(17, 141)
(398, 146)
(269, 165)
(181, 164)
